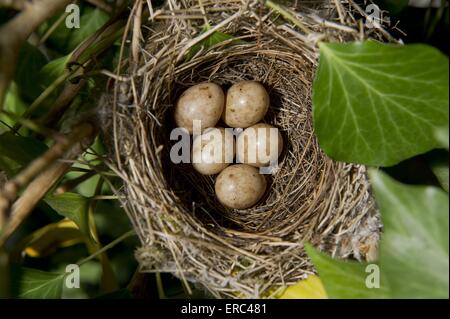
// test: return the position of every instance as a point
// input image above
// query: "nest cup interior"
(292, 189)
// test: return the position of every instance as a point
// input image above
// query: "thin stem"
(435, 20)
(52, 28)
(159, 286)
(108, 279)
(101, 5)
(202, 9)
(29, 124)
(106, 247)
(106, 197)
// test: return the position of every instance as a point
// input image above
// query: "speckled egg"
(213, 150)
(240, 186)
(203, 102)
(246, 104)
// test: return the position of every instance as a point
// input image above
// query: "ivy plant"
(378, 104)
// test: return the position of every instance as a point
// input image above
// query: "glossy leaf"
(72, 206)
(439, 166)
(442, 135)
(91, 20)
(441, 172)
(379, 104)
(310, 288)
(414, 251)
(13, 104)
(66, 40)
(345, 279)
(17, 151)
(27, 71)
(35, 284)
(47, 239)
(54, 69)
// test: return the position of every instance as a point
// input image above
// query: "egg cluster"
(243, 106)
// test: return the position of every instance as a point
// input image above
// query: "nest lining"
(182, 227)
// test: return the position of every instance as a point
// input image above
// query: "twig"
(112, 75)
(136, 36)
(13, 4)
(206, 34)
(80, 59)
(375, 23)
(63, 101)
(184, 17)
(334, 25)
(116, 92)
(101, 5)
(287, 14)
(338, 5)
(16, 31)
(11, 187)
(107, 197)
(47, 170)
(202, 9)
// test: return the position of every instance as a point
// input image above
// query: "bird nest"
(182, 228)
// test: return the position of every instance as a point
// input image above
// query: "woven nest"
(182, 227)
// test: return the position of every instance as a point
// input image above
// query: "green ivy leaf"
(439, 166)
(27, 71)
(441, 171)
(213, 39)
(414, 247)
(17, 151)
(441, 134)
(59, 36)
(48, 239)
(74, 207)
(54, 69)
(65, 40)
(35, 284)
(345, 279)
(13, 104)
(309, 288)
(90, 21)
(379, 104)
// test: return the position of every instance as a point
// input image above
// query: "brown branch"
(61, 104)
(13, 4)
(101, 5)
(136, 36)
(16, 31)
(48, 171)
